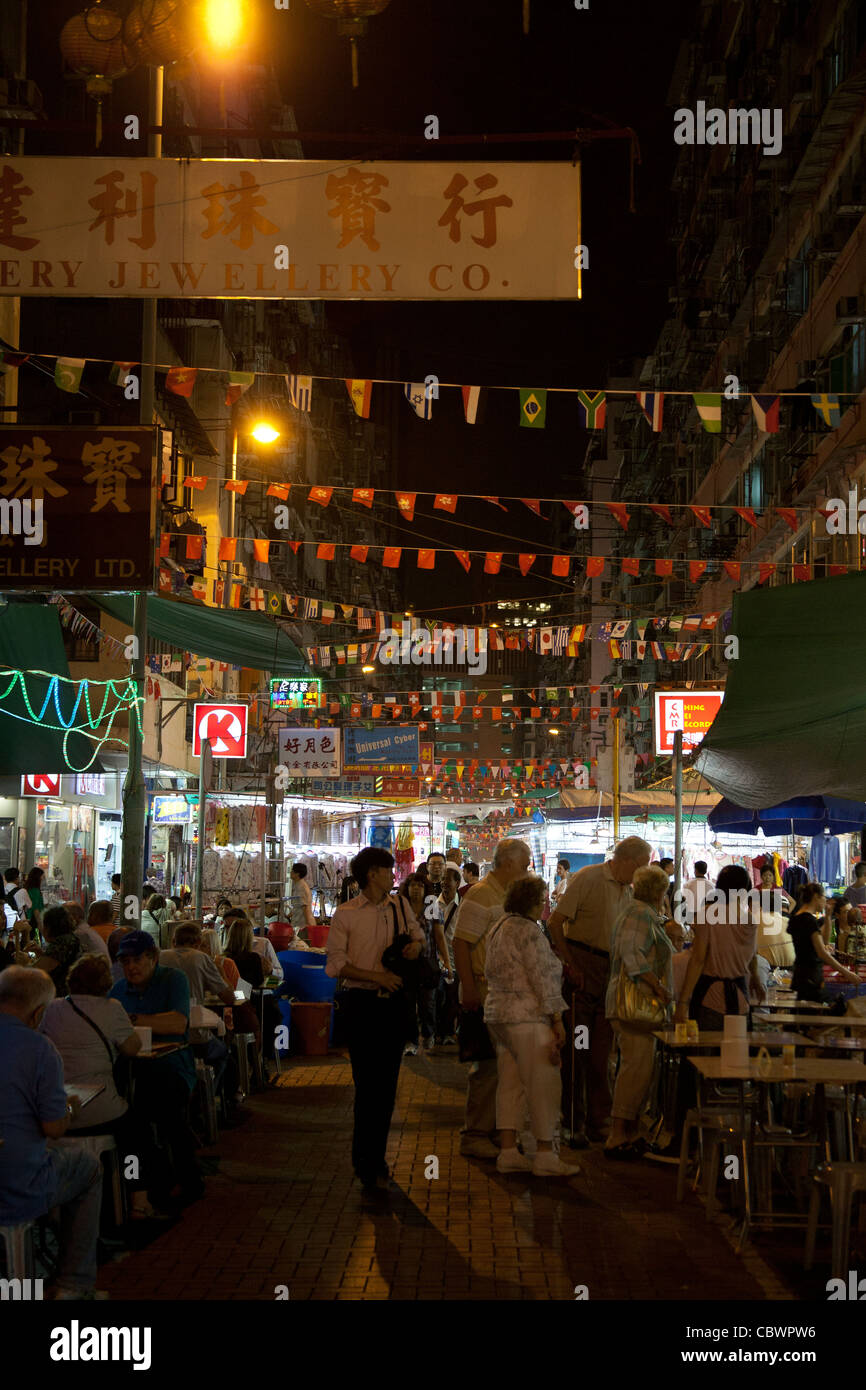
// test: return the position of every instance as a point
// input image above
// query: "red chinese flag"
(261, 551)
(181, 380)
(234, 485)
(619, 511)
(194, 547)
(631, 566)
(663, 511)
(228, 546)
(414, 708)
(406, 504)
(492, 561)
(165, 544)
(525, 562)
(192, 481)
(535, 712)
(533, 504)
(391, 557)
(790, 516)
(703, 514)
(560, 565)
(495, 712)
(802, 571)
(664, 569)
(325, 551)
(445, 501)
(280, 490)
(295, 545)
(464, 558)
(376, 711)
(363, 496)
(764, 572)
(322, 495)
(426, 559)
(359, 553)
(696, 569)
(594, 566)
(733, 569)
(747, 514)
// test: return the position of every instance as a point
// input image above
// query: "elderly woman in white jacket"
(523, 1012)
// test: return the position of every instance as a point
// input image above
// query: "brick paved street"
(283, 1208)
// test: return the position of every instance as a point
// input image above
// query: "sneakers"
(548, 1165)
(513, 1161)
(410, 1050)
(479, 1148)
(450, 1041)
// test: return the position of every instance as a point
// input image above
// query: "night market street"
(283, 1207)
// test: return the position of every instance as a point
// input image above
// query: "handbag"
(119, 1064)
(473, 1039)
(417, 974)
(635, 1006)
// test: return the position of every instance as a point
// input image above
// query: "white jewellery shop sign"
(288, 229)
(310, 752)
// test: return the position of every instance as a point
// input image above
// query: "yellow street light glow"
(223, 23)
(553, 731)
(368, 670)
(264, 433)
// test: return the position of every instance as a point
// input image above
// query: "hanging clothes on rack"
(825, 859)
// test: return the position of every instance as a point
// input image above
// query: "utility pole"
(134, 793)
(678, 812)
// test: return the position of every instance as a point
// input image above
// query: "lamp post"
(264, 433)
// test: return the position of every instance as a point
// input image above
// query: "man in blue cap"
(157, 997)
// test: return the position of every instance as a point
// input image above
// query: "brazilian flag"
(533, 407)
(275, 603)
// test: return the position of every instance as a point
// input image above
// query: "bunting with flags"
(533, 408)
(360, 394)
(652, 405)
(420, 399)
(301, 392)
(709, 405)
(592, 410)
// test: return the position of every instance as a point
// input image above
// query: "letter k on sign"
(226, 728)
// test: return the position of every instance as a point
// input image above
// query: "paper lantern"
(160, 32)
(92, 45)
(352, 16)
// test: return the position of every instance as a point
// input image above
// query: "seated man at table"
(205, 979)
(157, 997)
(34, 1108)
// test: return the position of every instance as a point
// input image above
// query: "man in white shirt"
(301, 900)
(580, 931)
(373, 1004)
(479, 909)
(693, 893)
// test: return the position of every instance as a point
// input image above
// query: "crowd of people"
(601, 962)
(103, 1029)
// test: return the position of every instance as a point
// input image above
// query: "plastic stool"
(104, 1146)
(205, 1080)
(20, 1257)
(843, 1180)
(720, 1127)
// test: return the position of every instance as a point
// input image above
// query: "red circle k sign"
(225, 726)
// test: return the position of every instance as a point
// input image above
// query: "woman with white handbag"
(638, 1001)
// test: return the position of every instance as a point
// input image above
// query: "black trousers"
(376, 1035)
(162, 1096)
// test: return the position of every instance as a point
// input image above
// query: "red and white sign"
(226, 728)
(693, 711)
(40, 784)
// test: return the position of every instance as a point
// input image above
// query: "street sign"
(40, 784)
(692, 711)
(226, 728)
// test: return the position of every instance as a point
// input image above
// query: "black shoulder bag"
(417, 974)
(119, 1064)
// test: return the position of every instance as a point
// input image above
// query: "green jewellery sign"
(291, 693)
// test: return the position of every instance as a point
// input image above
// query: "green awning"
(221, 634)
(31, 640)
(793, 720)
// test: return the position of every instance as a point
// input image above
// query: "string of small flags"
(533, 400)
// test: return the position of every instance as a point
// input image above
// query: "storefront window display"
(64, 848)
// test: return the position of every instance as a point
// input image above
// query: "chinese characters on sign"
(97, 493)
(290, 693)
(310, 752)
(210, 228)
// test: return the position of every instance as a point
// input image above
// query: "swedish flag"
(828, 408)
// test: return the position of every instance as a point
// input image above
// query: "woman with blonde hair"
(640, 950)
(239, 948)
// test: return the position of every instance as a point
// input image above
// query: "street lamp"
(224, 22)
(265, 433)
